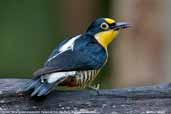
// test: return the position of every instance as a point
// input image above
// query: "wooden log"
(140, 100)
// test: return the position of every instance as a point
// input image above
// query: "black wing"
(86, 55)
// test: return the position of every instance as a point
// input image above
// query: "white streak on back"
(69, 45)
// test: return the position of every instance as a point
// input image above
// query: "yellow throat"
(106, 37)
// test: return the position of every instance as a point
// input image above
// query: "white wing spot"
(69, 45)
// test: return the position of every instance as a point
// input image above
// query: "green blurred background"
(30, 29)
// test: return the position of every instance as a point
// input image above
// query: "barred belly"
(80, 78)
(84, 78)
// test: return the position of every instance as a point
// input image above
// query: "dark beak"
(121, 25)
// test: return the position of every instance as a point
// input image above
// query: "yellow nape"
(106, 37)
(109, 21)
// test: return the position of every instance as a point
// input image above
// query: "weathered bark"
(141, 100)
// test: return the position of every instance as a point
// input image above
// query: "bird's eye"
(104, 26)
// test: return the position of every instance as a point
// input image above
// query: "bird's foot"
(95, 88)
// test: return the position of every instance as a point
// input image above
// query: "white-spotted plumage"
(69, 45)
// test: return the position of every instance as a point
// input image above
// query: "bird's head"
(105, 30)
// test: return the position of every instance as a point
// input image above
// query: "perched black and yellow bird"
(77, 61)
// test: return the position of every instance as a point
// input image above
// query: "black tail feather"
(38, 88)
(31, 85)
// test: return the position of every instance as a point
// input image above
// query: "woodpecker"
(76, 62)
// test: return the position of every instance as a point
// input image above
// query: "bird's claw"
(95, 88)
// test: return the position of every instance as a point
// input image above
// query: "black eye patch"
(113, 24)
